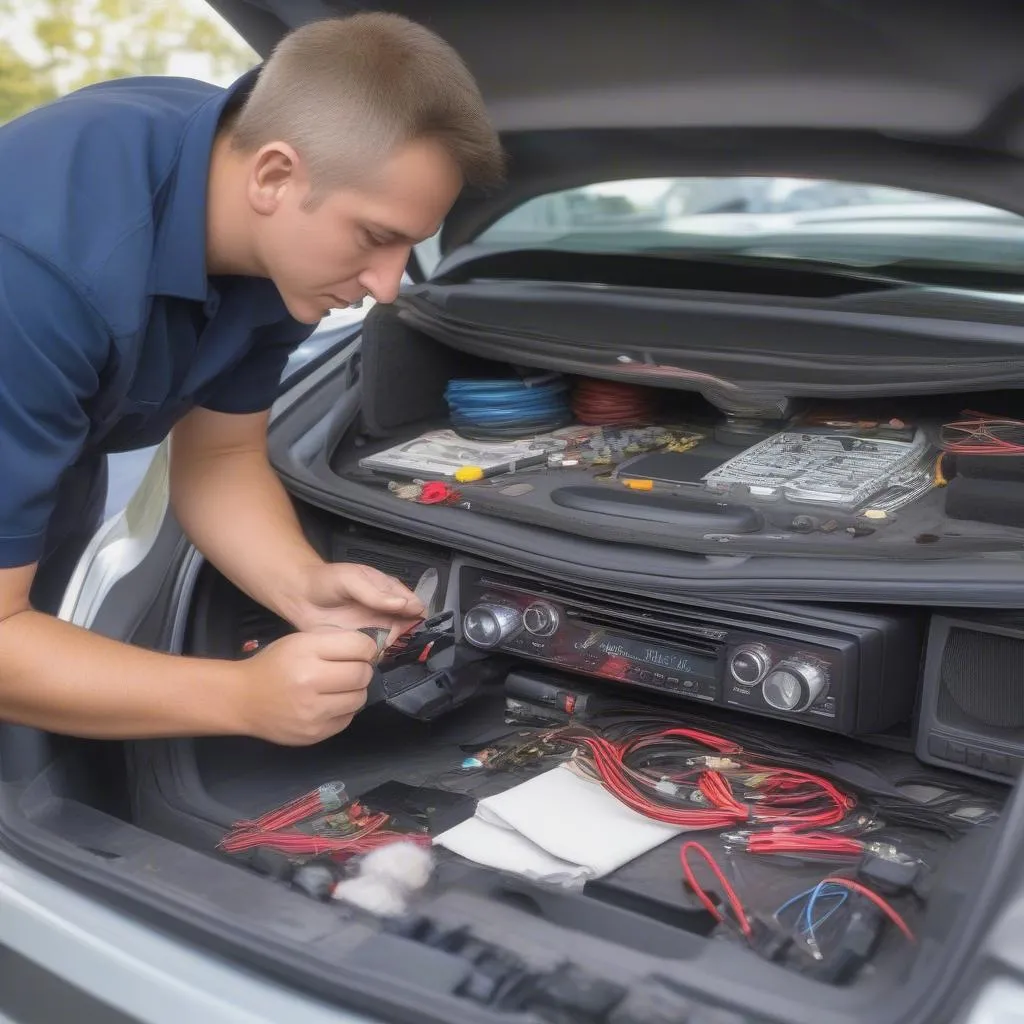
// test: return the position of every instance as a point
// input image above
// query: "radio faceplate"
(832, 675)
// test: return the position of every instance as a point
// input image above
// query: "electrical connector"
(768, 939)
(889, 871)
(854, 948)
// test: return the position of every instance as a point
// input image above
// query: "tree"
(71, 43)
(22, 87)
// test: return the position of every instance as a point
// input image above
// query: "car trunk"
(636, 927)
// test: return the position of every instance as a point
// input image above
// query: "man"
(164, 245)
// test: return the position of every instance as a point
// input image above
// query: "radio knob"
(487, 625)
(794, 685)
(750, 663)
(541, 619)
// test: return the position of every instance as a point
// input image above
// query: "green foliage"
(72, 43)
(21, 88)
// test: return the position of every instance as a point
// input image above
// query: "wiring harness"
(785, 790)
(697, 780)
(319, 823)
(799, 923)
(978, 434)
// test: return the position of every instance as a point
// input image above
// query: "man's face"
(354, 242)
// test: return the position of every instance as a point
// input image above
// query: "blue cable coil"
(508, 407)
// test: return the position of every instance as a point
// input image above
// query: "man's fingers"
(341, 705)
(343, 645)
(382, 593)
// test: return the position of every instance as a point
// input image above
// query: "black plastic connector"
(271, 863)
(316, 880)
(769, 940)
(890, 875)
(854, 948)
(571, 993)
(652, 1003)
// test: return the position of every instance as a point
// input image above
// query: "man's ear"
(275, 168)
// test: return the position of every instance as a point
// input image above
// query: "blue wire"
(823, 891)
(812, 895)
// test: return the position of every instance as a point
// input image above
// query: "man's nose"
(383, 278)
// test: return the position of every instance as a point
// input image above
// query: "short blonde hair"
(347, 92)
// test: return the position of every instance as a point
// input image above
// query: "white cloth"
(557, 826)
(505, 850)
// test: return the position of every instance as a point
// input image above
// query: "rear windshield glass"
(829, 221)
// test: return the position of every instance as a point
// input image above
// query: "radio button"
(541, 619)
(750, 663)
(794, 685)
(487, 625)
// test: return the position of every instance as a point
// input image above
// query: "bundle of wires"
(785, 843)
(952, 813)
(507, 409)
(833, 892)
(667, 774)
(314, 825)
(983, 435)
(814, 906)
(610, 402)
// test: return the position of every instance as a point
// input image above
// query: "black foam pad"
(999, 502)
(991, 467)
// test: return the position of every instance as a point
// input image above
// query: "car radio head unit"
(852, 672)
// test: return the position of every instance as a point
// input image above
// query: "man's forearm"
(58, 677)
(235, 510)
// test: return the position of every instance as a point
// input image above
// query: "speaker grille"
(404, 569)
(983, 679)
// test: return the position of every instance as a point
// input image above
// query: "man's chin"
(306, 313)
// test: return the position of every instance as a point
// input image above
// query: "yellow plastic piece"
(469, 474)
(639, 485)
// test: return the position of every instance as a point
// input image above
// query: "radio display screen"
(676, 661)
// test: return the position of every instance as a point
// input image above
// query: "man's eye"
(372, 241)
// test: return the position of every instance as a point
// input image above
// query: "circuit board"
(822, 467)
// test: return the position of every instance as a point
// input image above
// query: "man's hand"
(305, 687)
(349, 596)
(234, 509)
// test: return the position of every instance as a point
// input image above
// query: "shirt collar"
(179, 256)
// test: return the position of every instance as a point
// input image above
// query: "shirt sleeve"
(253, 384)
(53, 347)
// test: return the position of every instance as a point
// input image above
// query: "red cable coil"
(596, 402)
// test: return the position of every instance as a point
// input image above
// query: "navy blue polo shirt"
(110, 328)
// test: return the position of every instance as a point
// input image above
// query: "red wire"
(608, 763)
(779, 809)
(979, 438)
(317, 801)
(882, 904)
(802, 842)
(707, 739)
(701, 894)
